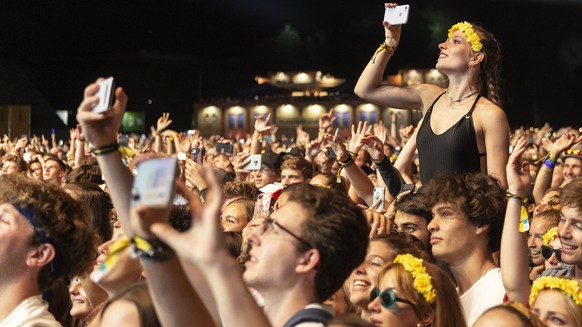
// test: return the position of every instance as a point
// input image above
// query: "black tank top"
(454, 151)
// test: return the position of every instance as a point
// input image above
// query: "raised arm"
(368, 86)
(514, 252)
(100, 129)
(544, 178)
(358, 179)
(202, 247)
(261, 126)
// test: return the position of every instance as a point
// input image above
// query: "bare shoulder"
(488, 113)
(427, 93)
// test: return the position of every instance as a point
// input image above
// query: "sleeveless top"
(454, 151)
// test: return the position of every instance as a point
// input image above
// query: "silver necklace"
(459, 100)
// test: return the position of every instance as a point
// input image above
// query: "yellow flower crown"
(472, 37)
(550, 235)
(569, 287)
(422, 280)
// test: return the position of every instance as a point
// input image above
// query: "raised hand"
(326, 121)
(262, 123)
(203, 242)
(381, 132)
(374, 146)
(518, 176)
(358, 134)
(391, 32)
(100, 129)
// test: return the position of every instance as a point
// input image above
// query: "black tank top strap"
(473, 106)
(435, 101)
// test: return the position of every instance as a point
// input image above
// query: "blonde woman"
(413, 292)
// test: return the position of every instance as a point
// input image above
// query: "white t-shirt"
(31, 312)
(486, 293)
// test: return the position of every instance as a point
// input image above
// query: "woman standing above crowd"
(463, 129)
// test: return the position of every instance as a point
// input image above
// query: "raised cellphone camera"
(255, 163)
(379, 193)
(105, 94)
(197, 154)
(154, 183)
(397, 15)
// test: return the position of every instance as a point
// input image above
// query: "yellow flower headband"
(422, 280)
(472, 37)
(550, 235)
(569, 287)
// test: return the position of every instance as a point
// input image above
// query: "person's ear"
(41, 255)
(426, 319)
(309, 261)
(476, 59)
(480, 230)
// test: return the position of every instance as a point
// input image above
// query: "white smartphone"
(379, 193)
(255, 163)
(154, 184)
(105, 94)
(397, 15)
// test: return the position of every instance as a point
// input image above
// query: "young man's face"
(413, 225)
(572, 168)
(274, 253)
(537, 229)
(570, 233)
(291, 176)
(452, 234)
(52, 172)
(15, 242)
(265, 176)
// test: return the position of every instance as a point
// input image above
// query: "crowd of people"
(455, 222)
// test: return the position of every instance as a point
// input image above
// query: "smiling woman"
(464, 131)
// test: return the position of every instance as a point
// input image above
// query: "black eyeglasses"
(547, 252)
(387, 297)
(269, 221)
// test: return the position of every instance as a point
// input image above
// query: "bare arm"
(544, 178)
(496, 136)
(261, 126)
(203, 247)
(514, 252)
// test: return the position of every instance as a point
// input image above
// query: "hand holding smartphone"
(105, 94)
(255, 162)
(397, 15)
(154, 183)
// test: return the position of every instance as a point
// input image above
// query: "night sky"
(177, 52)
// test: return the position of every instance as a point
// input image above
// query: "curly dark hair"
(337, 228)
(478, 195)
(63, 220)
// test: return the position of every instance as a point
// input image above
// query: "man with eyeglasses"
(44, 237)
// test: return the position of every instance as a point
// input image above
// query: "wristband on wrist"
(523, 216)
(383, 46)
(151, 250)
(105, 149)
(550, 163)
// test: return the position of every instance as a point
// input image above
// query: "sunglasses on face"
(547, 252)
(575, 152)
(387, 297)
